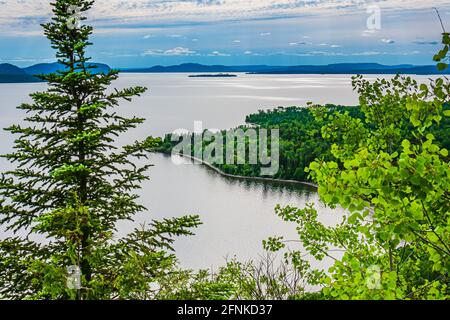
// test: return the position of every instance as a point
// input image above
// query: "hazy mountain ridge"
(339, 68)
(12, 74)
(365, 68)
(195, 68)
(46, 68)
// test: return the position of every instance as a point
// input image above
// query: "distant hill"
(198, 68)
(7, 68)
(46, 68)
(357, 68)
(12, 74)
(186, 67)
(340, 68)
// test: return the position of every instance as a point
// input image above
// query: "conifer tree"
(72, 184)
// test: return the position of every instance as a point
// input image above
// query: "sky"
(143, 33)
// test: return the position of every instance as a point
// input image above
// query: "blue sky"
(140, 33)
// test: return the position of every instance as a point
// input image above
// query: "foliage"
(72, 185)
(443, 57)
(268, 279)
(393, 179)
(301, 138)
(300, 141)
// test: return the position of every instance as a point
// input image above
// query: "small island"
(219, 75)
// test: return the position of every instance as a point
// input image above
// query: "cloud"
(153, 52)
(251, 53)
(345, 54)
(388, 41)
(297, 43)
(178, 51)
(181, 51)
(366, 53)
(16, 13)
(22, 18)
(236, 41)
(369, 32)
(330, 45)
(29, 60)
(218, 54)
(425, 43)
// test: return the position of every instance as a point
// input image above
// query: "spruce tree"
(72, 183)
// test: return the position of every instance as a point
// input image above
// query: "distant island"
(13, 74)
(217, 75)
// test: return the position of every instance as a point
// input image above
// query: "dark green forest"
(301, 140)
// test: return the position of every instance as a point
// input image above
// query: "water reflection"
(237, 214)
(268, 187)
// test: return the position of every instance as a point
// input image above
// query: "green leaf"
(424, 87)
(446, 38)
(442, 66)
(406, 144)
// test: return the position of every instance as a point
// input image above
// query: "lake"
(237, 215)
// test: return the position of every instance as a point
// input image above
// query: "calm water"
(236, 215)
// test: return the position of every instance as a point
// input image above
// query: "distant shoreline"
(224, 174)
(337, 68)
(8, 79)
(12, 74)
(218, 75)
